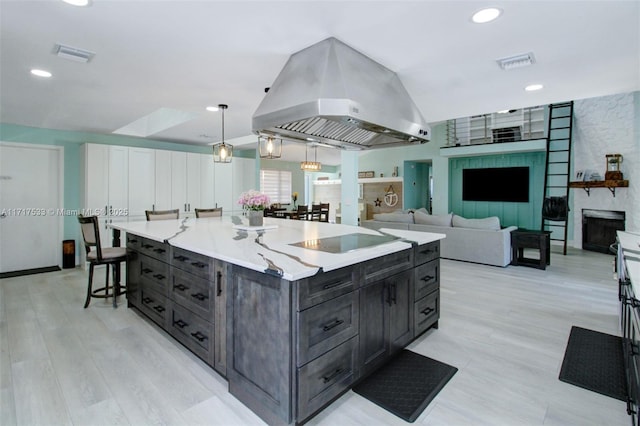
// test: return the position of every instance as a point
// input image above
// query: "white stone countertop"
(269, 249)
(630, 246)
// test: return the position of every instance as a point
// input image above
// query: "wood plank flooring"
(505, 329)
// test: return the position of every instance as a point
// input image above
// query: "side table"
(532, 239)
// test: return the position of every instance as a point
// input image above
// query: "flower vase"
(256, 217)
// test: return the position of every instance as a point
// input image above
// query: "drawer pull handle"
(158, 308)
(180, 323)
(427, 278)
(147, 300)
(330, 377)
(147, 270)
(331, 285)
(218, 283)
(199, 296)
(201, 337)
(331, 325)
(181, 287)
(132, 240)
(181, 258)
(159, 276)
(427, 311)
(146, 246)
(634, 349)
(199, 264)
(159, 250)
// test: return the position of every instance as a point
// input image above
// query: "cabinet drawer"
(427, 252)
(154, 274)
(151, 248)
(192, 292)
(426, 312)
(194, 263)
(427, 278)
(192, 331)
(325, 378)
(325, 286)
(326, 325)
(154, 305)
(382, 267)
(133, 242)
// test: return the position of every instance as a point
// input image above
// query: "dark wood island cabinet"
(288, 348)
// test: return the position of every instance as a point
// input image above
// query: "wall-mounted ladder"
(555, 208)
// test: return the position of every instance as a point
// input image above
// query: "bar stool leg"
(86, 303)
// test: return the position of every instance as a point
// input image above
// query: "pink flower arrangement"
(254, 200)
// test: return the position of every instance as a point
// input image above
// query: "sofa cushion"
(394, 217)
(432, 219)
(492, 223)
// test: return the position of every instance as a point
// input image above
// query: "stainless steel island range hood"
(333, 94)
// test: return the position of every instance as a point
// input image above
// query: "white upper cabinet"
(179, 181)
(223, 190)
(244, 179)
(207, 188)
(142, 181)
(163, 181)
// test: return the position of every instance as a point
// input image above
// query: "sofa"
(471, 240)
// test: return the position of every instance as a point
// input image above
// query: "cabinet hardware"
(159, 308)
(218, 283)
(180, 323)
(198, 264)
(428, 251)
(199, 296)
(331, 285)
(201, 337)
(634, 349)
(147, 300)
(427, 278)
(180, 258)
(146, 246)
(394, 293)
(132, 240)
(331, 325)
(147, 270)
(159, 276)
(159, 250)
(330, 377)
(181, 287)
(427, 311)
(630, 410)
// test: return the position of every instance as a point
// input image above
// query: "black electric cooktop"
(345, 243)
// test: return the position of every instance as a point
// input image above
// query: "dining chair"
(215, 212)
(324, 212)
(162, 214)
(301, 213)
(97, 255)
(314, 214)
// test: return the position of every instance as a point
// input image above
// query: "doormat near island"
(29, 272)
(594, 361)
(406, 384)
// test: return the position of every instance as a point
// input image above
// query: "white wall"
(607, 125)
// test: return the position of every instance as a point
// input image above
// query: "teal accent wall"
(523, 215)
(416, 184)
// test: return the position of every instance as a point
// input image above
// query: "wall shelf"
(611, 185)
(494, 148)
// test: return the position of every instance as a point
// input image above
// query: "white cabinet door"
(179, 181)
(207, 195)
(142, 185)
(163, 180)
(223, 178)
(118, 179)
(193, 182)
(95, 196)
(244, 179)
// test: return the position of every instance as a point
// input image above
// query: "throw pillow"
(491, 223)
(394, 217)
(432, 219)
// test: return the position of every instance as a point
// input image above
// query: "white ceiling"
(186, 55)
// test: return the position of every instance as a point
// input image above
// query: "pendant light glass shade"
(269, 147)
(222, 152)
(311, 166)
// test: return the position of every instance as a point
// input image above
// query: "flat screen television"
(505, 184)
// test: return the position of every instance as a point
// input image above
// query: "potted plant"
(254, 202)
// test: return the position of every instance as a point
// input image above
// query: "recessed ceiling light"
(77, 2)
(213, 108)
(41, 73)
(486, 15)
(533, 87)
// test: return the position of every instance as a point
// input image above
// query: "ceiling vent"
(517, 61)
(73, 53)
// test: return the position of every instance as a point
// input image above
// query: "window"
(276, 184)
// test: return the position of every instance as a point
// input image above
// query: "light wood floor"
(505, 329)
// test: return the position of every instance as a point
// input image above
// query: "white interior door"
(30, 206)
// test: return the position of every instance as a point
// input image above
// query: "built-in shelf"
(360, 180)
(611, 185)
(494, 148)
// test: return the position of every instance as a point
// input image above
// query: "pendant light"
(222, 152)
(311, 166)
(269, 147)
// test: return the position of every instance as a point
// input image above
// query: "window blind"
(276, 184)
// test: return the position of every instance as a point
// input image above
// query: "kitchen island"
(294, 313)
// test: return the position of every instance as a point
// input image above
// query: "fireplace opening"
(599, 228)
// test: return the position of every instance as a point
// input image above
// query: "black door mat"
(29, 272)
(594, 361)
(407, 384)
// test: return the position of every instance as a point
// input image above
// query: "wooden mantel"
(610, 184)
